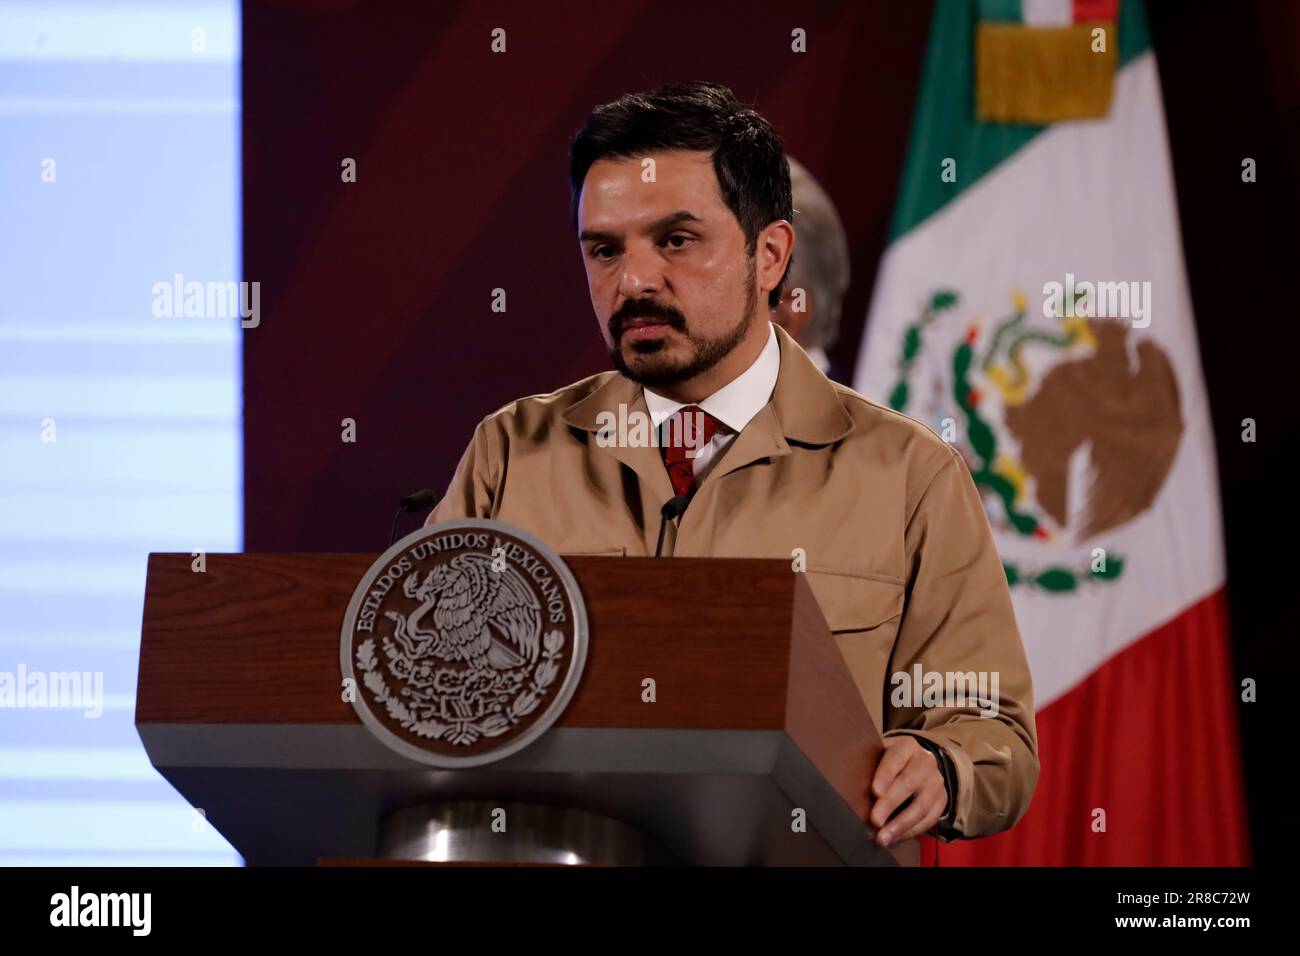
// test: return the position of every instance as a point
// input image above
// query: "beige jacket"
(898, 548)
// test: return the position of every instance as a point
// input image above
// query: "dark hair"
(753, 173)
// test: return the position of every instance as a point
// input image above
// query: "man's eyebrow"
(672, 219)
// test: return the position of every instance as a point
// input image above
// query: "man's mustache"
(644, 309)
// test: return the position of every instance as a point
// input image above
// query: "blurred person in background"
(820, 268)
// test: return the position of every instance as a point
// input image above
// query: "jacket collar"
(805, 408)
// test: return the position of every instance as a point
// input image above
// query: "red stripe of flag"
(1093, 10)
(1150, 737)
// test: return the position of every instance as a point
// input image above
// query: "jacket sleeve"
(476, 483)
(958, 620)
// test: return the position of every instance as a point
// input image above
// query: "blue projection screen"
(119, 429)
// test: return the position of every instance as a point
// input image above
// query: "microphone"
(671, 511)
(412, 502)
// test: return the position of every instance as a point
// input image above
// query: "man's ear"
(772, 253)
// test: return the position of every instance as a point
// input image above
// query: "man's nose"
(642, 274)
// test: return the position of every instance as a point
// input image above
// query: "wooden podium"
(755, 717)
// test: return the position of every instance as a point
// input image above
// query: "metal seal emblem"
(464, 642)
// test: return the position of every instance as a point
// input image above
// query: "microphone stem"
(663, 526)
(392, 531)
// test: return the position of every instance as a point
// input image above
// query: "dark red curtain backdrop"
(376, 295)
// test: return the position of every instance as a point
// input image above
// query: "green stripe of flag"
(1000, 10)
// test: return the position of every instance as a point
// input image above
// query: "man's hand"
(906, 770)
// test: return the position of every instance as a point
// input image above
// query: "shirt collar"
(737, 402)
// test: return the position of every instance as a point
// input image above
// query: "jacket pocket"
(851, 601)
(593, 552)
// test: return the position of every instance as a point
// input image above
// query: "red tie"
(685, 435)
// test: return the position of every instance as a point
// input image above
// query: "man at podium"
(717, 436)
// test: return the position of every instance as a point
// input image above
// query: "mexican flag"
(1032, 308)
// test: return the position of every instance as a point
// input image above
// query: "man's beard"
(706, 353)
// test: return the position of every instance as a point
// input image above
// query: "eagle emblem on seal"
(454, 646)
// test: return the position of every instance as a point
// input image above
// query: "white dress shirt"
(733, 405)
